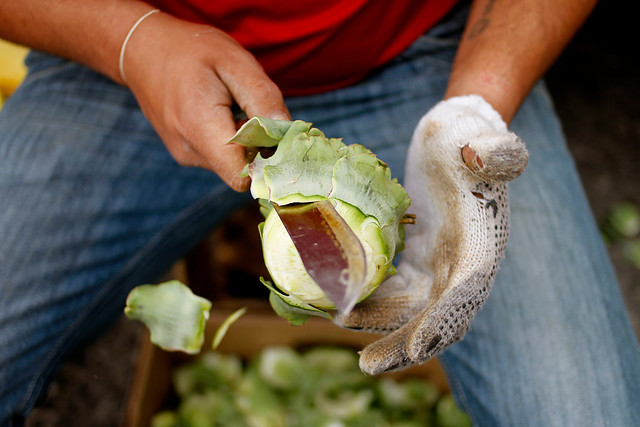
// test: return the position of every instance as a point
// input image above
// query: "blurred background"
(595, 88)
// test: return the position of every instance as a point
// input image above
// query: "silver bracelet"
(126, 40)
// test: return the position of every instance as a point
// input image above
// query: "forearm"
(508, 46)
(90, 31)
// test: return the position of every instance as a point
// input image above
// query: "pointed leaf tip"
(224, 327)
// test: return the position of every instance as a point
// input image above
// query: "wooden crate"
(218, 270)
(252, 332)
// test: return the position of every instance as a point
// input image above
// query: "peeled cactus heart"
(309, 167)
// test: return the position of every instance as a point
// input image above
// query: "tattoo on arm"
(484, 21)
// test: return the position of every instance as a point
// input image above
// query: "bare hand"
(186, 77)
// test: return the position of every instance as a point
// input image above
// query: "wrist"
(123, 48)
(503, 95)
(463, 105)
(90, 32)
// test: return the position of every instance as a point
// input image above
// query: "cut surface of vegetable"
(330, 251)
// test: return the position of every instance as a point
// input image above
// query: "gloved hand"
(460, 159)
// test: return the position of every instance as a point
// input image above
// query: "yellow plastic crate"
(12, 68)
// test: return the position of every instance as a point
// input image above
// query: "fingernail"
(280, 116)
(470, 158)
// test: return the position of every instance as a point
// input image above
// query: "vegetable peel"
(175, 317)
(225, 325)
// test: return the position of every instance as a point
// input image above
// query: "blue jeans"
(93, 205)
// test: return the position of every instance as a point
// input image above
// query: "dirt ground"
(595, 87)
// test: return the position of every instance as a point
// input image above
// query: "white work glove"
(459, 161)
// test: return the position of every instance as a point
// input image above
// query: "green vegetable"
(281, 367)
(622, 227)
(291, 307)
(210, 371)
(257, 402)
(622, 221)
(344, 404)
(175, 316)
(320, 387)
(208, 409)
(308, 167)
(448, 414)
(331, 360)
(410, 394)
(165, 419)
(631, 250)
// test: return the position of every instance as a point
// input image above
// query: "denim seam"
(48, 71)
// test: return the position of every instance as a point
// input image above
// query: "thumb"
(257, 95)
(496, 157)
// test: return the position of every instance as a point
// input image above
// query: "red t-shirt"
(311, 46)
